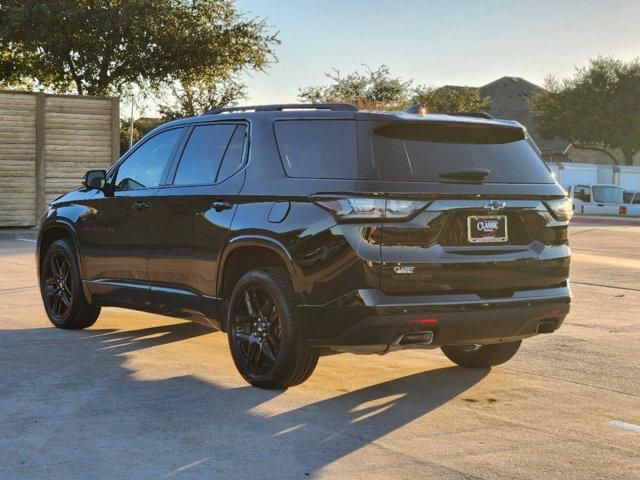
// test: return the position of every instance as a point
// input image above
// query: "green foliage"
(196, 96)
(597, 109)
(99, 47)
(450, 99)
(379, 90)
(375, 89)
(141, 127)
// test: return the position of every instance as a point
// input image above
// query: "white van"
(597, 199)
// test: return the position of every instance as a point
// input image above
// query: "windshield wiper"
(467, 174)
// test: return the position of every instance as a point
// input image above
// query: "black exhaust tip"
(415, 338)
(546, 327)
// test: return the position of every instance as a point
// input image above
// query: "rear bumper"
(370, 321)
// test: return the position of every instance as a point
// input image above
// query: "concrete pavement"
(144, 396)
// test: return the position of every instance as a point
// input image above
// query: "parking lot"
(144, 396)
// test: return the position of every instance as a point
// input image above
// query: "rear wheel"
(264, 333)
(481, 356)
(61, 289)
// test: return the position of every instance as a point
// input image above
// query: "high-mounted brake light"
(365, 208)
(562, 208)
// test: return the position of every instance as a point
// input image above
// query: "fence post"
(115, 129)
(41, 170)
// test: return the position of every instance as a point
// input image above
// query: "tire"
(264, 331)
(61, 289)
(481, 356)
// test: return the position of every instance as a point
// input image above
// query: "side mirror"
(95, 179)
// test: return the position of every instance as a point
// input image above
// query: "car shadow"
(71, 400)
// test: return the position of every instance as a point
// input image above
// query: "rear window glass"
(202, 155)
(418, 152)
(317, 148)
(232, 159)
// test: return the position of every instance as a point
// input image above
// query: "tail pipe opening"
(548, 326)
(414, 338)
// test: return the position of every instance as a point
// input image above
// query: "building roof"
(510, 100)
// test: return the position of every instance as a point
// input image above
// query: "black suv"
(303, 229)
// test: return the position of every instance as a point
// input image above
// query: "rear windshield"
(419, 152)
(318, 148)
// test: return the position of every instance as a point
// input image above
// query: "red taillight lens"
(365, 208)
(623, 209)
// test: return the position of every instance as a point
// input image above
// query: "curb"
(612, 221)
(14, 233)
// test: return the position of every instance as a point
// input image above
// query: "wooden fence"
(47, 142)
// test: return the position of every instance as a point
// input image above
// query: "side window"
(582, 192)
(627, 197)
(318, 148)
(202, 156)
(144, 167)
(234, 154)
(636, 199)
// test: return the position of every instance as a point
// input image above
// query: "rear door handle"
(139, 206)
(220, 205)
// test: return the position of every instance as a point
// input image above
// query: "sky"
(436, 42)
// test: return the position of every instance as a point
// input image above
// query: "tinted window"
(201, 157)
(418, 152)
(233, 156)
(144, 167)
(317, 148)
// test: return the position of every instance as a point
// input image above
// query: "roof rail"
(471, 114)
(335, 107)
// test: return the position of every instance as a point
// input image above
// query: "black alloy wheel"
(58, 289)
(264, 330)
(61, 287)
(256, 329)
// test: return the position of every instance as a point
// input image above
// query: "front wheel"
(61, 289)
(481, 356)
(264, 332)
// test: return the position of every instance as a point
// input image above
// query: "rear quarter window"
(317, 148)
(419, 152)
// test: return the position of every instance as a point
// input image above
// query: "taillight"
(369, 208)
(397, 209)
(623, 210)
(562, 208)
(356, 208)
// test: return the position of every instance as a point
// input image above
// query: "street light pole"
(131, 125)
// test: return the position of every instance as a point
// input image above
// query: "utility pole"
(131, 124)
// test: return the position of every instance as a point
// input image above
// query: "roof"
(338, 112)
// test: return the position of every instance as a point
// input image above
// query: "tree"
(99, 47)
(596, 109)
(192, 97)
(379, 90)
(374, 89)
(141, 127)
(450, 99)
